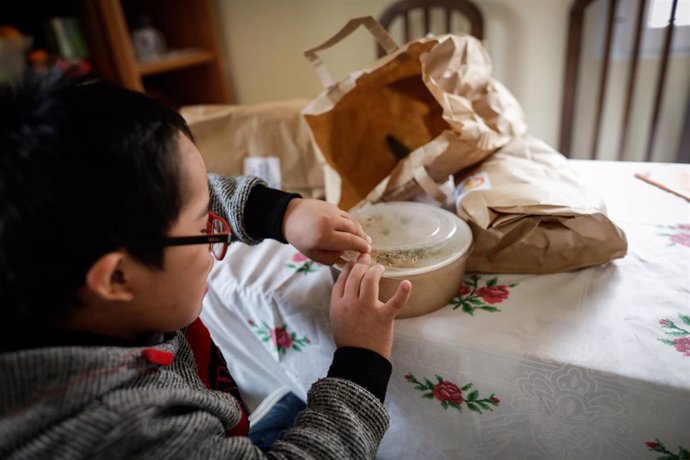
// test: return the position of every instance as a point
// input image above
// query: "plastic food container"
(422, 243)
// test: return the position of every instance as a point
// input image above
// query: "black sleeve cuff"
(366, 368)
(265, 211)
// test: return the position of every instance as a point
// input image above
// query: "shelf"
(175, 62)
(192, 72)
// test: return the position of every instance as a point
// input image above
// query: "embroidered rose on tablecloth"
(681, 342)
(681, 238)
(682, 345)
(493, 294)
(472, 297)
(302, 264)
(280, 337)
(449, 392)
(450, 395)
(678, 234)
(658, 446)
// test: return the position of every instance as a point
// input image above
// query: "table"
(589, 364)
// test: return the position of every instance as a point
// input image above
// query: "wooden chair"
(612, 115)
(405, 9)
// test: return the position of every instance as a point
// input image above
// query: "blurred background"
(250, 51)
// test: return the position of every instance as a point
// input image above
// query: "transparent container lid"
(409, 235)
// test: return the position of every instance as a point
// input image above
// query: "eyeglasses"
(217, 238)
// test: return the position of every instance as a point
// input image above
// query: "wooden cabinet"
(193, 71)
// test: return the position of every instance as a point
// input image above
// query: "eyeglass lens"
(216, 227)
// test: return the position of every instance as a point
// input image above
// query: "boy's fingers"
(370, 282)
(354, 280)
(348, 225)
(344, 241)
(345, 224)
(399, 299)
(339, 286)
(326, 257)
(353, 226)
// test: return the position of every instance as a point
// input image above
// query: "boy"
(105, 235)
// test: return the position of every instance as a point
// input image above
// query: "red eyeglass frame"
(210, 239)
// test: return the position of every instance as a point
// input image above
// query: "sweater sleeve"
(254, 211)
(366, 368)
(341, 421)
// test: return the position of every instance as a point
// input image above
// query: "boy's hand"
(358, 318)
(322, 231)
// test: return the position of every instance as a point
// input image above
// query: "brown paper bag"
(226, 134)
(424, 111)
(529, 213)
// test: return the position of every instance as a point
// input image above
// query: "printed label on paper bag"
(267, 168)
(479, 181)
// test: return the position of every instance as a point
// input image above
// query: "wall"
(264, 40)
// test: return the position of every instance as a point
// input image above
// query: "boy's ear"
(107, 280)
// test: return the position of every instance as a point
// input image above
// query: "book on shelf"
(66, 38)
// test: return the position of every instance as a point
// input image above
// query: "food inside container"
(419, 242)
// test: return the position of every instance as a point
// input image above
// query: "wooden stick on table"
(676, 192)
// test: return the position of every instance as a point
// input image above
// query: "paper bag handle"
(380, 34)
(421, 176)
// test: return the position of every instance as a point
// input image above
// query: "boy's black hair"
(86, 167)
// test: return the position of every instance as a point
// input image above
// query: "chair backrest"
(405, 9)
(611, 49)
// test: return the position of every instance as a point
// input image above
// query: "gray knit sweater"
(111, 402)
(127, 402)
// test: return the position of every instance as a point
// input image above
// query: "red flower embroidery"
(658, 446)
(493, 294)
(281, 338)
(303, 264)
(448, 392)
(680, 335)
(299, 257)
(471, 297)
(683, 345)
(681, 238)
(678, 233)
(451, 396)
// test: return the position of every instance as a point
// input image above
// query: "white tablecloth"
(589, 364)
